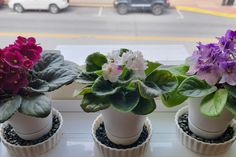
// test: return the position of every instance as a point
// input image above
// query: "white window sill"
(77, 140)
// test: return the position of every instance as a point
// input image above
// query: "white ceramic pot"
(106, 151)
(30, 128)
(204, 126)
(122, 128)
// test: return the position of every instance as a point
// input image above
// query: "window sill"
(77, 140)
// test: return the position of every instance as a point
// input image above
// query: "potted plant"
(123, 85)
(27, 75)
(208, 79)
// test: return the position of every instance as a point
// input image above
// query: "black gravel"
(102, 137)
(11, 137)
(183, 123)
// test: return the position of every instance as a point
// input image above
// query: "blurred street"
(102, 25)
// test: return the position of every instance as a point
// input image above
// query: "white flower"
(111, 71)
(115, 57)
(135, 62)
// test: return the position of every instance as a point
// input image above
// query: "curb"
(205, 11)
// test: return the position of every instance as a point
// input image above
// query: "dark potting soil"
(11, 137)
(102, 137)
(183, 123)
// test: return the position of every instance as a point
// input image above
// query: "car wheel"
(53, 8)
(18, 8)
(122, 9)
(157, 9)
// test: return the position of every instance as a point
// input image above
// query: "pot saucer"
(199, 146)
(129, 152)
(37, 149)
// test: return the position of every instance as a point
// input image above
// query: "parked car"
(54, 6)
(156, 6)
(1, 3)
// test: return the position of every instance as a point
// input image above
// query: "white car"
(54, 6)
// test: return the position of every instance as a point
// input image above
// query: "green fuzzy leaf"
(145, 106)
(37, 86)
(93, 103)
(84, 91)
(148, 90)
(151, 67)
(56, 77)
(51, 72)
(36, 106)
(87, 77)
(193, 87)
(231, 90)
(173, 98)
(95, 61)
(125, 100)
(123, 50)
(177, 69)
(163, 80)
(8, 108)
(126, 76)
(103, 87)
(213, 104)
(230, 104)
(49, 60)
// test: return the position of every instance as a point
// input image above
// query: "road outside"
(98, 25)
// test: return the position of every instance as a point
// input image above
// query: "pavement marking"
(205, 11)
(109, 37)
(181, 16)
(100, 11)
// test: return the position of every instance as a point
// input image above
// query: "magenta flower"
(14, 86)
(13, 75)
(28, 64)
(16, 62)
(14, 59)
(2, 77)
(32, 52)
(228, 69)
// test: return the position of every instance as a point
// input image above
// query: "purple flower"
(210, 73)
(228, 41)
(228, 69)
(206, 54)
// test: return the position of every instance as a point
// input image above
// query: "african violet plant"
(124, 80)
(27, 74)
(210, 73)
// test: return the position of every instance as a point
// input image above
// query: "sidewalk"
(205, 6)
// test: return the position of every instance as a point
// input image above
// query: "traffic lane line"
(100, 11)
(110, 37)
(181, 16)
(204, 11)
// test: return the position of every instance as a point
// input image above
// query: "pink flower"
(111, 71)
